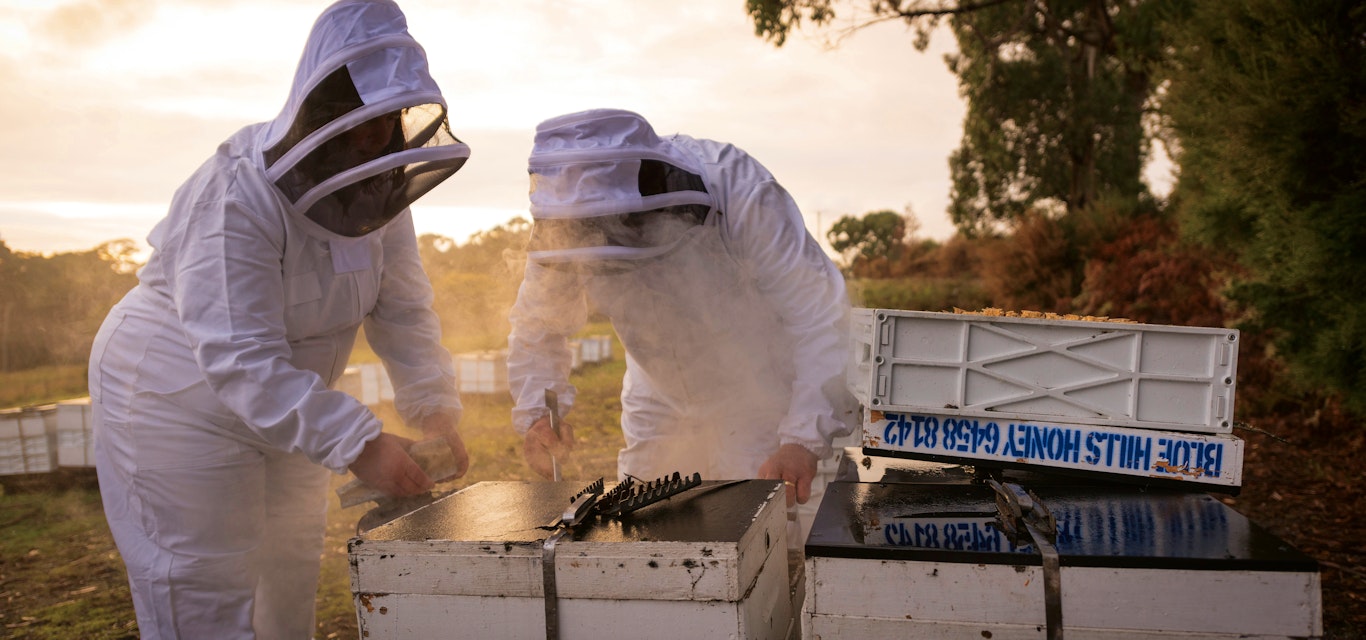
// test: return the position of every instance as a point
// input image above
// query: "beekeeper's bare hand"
(385, 465)
(541, 443)
(796, 467)
(441, 425)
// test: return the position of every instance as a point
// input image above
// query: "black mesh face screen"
(641, 233)
(381, 179)
(658, 177)
(636, 230)
(334, 97)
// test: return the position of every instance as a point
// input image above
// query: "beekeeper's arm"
(230, 293)
(766, 233)
(550, 307)
(405, 333)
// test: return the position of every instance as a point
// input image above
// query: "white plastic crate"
(28, 440)
(482, 372)
(1143, 376)
(75, 441)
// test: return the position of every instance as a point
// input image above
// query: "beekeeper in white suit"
(215, 421)
(733, 319)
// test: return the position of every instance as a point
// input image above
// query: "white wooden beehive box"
(28, 440)
(910, 560)
(368, 382)
(605, 342)
(590, 350)
(482, 372)
(75, 441)
(713, 565)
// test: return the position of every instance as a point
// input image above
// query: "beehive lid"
(705, 544)
(1098, 526)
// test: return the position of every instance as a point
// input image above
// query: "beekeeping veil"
(364, 133)
(606, 189)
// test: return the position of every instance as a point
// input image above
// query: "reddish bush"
(1033, 269)
(1148, 275)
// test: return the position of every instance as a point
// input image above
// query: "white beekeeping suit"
(733, 320)
(214, 415)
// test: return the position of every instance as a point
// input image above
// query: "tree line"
(51, 306)
(1260, 103)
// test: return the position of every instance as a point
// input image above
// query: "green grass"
(920, 294)
(60, 576)
(42, 385)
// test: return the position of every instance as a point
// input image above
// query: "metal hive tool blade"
(631, 495)
(582, 506)
(593, 487)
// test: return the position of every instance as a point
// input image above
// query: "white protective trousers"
(221, 539)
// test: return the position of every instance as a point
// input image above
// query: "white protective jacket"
(283, 242)
(734, 321)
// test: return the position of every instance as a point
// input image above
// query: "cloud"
(53, 227)
(89, 23)
(72, 146)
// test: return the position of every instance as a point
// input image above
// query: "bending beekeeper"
(214, 417)
(733, 319)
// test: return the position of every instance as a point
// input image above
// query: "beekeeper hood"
(364, 133)
(604, 187)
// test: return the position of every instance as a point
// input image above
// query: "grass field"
(42, 385)
(61, 576)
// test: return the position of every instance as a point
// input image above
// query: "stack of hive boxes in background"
(41, 439)
(477, 372)
(1103, 437)
(367, 382)
(482, 372)
(75, 440)
(28, 440)
(486, 372)
(591, 350)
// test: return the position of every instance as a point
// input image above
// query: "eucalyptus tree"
(1056, 94)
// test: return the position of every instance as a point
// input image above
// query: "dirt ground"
(1303, 480)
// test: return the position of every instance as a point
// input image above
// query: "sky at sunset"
(108, 105)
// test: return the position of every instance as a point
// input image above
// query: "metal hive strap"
(1023, 515)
